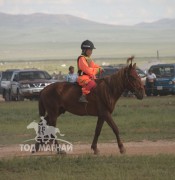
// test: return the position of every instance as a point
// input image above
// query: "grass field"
(160, 167)
(150, 119)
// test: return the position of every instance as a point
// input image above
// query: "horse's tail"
(42, 110)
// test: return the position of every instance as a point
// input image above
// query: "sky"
(118, 12)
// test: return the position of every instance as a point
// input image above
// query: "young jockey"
(87, 70)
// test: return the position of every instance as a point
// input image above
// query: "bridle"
(130, 83)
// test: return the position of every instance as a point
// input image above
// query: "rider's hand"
(101, 70)
(92, 76)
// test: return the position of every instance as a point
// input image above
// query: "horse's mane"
(117, 76)
(111, 87)
(114, 79)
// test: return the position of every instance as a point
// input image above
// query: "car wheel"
(7, 96)
(19, 97)
(162, 94)
(34, 98)
(155, 93)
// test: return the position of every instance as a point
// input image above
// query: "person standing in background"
(151, 77)
(71, 77)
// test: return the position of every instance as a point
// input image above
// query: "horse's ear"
(130, 66)
(134, 66)
(130, 59)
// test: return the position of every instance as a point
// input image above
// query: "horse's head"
(133, 81)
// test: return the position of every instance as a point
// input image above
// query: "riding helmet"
(87, 45)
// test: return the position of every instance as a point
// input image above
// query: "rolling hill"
(162, 23)
(46, 36)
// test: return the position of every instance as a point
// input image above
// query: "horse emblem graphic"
(44, 133)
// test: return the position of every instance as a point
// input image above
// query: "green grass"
(150, 119)
(160, 167)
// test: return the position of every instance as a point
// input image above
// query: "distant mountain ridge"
(59, 36)
(68, 20)
(44, 19)
(166, 23)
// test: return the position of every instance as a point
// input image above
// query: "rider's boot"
(83, 99)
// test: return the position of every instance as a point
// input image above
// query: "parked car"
(108, 70)
(0, 81)
(26, 84)
(5, 82)
(165, 79)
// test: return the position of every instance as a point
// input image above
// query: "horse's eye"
(132, 78)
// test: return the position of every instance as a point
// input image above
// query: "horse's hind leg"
(99, 125)
(51, 119)
(36, 147)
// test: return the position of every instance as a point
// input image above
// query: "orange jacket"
(88, 66)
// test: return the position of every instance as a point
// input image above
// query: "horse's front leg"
(115, 129)
(99, 125)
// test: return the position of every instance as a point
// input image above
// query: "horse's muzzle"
(140, 94)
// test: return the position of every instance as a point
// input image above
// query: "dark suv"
(27, 84)
(165, 79)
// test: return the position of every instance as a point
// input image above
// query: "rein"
(129, 82)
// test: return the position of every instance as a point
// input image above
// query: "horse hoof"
(96, 152)
(33, 151)
(122, 150)
(61, 152)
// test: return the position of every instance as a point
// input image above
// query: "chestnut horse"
(60, 97)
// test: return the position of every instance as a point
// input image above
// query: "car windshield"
(164, 71)
(109, 71)
(6, 76)
(31, 75)
(140, 73)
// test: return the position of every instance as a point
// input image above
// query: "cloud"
(1, 2)
(170, 12)
(45, 1)
(18, 1)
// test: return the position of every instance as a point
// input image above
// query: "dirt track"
(132, 148)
